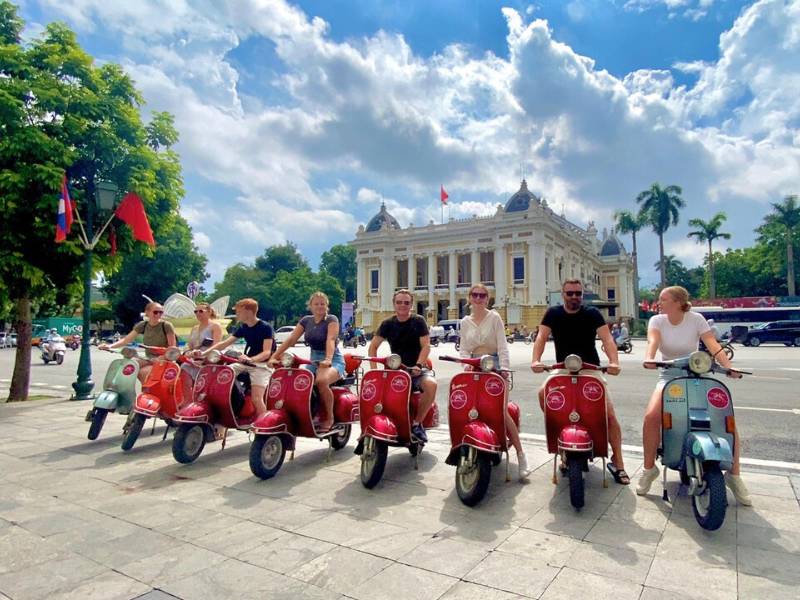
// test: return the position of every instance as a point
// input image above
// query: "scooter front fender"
(107, 399)
(708, 447)
(148, 404)
(194, 412)
(382, 428)
(273, 421)
(575, 438)
(481, 436)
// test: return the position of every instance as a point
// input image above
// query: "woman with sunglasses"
(483, 332)
(155, 331)
(206, 333)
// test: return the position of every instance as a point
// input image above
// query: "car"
(451, 328)
(780, 332)
(4, 341)
(11, 340)
(283, 332)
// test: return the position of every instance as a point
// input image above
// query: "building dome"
(521, 201)
(611, 246)
(377, 222)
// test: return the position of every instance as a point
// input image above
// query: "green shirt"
(154, 335)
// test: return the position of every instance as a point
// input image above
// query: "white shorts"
(258, 375)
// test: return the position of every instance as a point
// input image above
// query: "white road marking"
(783, 410)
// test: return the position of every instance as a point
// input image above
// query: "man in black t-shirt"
(574, 328)
(408, 336)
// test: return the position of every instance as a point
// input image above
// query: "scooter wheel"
(340, 440)
(188, 443)
(134, 429)
(472, 478)
(59, 359)
(415, 449)
(373, 462)
(266, 456)
(576, 491)
(98, 418)
(709, 507)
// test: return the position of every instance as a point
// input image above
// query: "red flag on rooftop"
(443, 195)
(131, 211)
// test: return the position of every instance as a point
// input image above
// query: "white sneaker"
(522, 462)
(739, 489)
(646, 480)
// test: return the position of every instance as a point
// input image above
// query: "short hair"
(402, 291)
(318, 294)
(150, 306)
(247, 304)
(679, 294)
(571, 282)
(211, 312)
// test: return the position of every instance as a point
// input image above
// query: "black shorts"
(416, 382)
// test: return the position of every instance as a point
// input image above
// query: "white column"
(432, 281)
(361, 283)
(452, 276)
(475, 266)
(500, 284)
(412, 271)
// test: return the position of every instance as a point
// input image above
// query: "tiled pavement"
(82, 519)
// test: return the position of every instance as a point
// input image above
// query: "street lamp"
(101, 195)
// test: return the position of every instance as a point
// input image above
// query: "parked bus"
(726, 318)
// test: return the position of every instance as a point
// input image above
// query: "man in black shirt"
(408, 336)
(574, 327)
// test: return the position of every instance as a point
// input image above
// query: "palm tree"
(627, 222)
(708, 231)
(671, 264)
(661, 207)
(786, 215)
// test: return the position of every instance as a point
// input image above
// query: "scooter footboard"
(381, 427)
(148, 404)
(706, 446)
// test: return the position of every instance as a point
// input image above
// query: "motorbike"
(74, 342)
(292, 405)
(727, 348)
(697, 433)
(357, 338)
(220, 401)
(476, 413)
(625, 345)
(119, 391)
(54, 350)
(386, 408)
(166, 389)
(576, 421)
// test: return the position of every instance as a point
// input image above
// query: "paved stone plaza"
(82, 519)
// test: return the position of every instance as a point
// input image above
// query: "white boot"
(739, 489)
(646, 480)
(522, 462)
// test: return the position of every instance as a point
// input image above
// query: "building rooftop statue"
(381, 220)
(521, 201)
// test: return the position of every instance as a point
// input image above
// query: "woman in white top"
(676, 333)
(483, 332)
(206, 332)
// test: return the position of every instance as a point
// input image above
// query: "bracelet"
(721, 348)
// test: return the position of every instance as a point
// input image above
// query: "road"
(767, 403)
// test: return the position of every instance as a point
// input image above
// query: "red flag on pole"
(131, 211)
(443, 195)
(64, 216)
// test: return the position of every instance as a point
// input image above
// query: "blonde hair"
(211, 312)
(679, 294)
(318, 294)
(247, 304)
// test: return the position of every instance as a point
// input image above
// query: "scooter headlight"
(287, 360)
(172, 353)
(700, 362)
(393, 361)
(214, 356)
(129, 352)
(573, 363)
(488, 363)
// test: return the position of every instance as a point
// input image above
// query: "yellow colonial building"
(522, 253)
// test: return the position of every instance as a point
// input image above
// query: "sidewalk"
(82, 519)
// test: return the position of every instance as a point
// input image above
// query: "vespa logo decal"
(225, 376)
(302, 382)
(128, 370)
(675, 391)
(556, 400)
(275, 388)
(170, 374)
(718, 398)
(399, 384)
(493, 386)
(592, 391)
(458, 399)
(368, 392)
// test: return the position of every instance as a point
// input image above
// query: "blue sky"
(298, 119)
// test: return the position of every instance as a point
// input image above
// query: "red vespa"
(476, 413)
(220, 401)
(292, 405)
(576, 421)
(167, 388)
(386, 404)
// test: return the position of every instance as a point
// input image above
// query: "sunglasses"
(571, 293)
(479, 295)
(403, 302)
(199, 310)
(158, 312)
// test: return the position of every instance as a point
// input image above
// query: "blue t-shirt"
(316, 334)
(254, 337)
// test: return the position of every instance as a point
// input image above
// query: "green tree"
(679, 274)
(708, 231)
(284, 257)
(785, 219)
(340, 263)
(628, 222)
(661, 207)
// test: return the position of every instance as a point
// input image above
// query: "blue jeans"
(337, 362)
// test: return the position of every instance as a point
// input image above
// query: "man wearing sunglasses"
(574, 328)
(408, 336)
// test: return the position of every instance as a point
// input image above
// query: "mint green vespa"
(119, 391)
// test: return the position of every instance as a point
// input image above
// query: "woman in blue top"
(321, 332)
